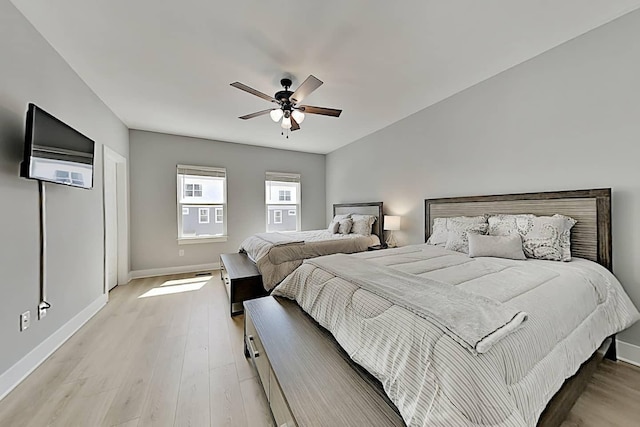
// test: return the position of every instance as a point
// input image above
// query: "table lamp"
(391, 224)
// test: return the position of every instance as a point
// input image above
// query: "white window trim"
(291, 210)
(275, 217)
(185, 211)
(191, 240)
(215, 215)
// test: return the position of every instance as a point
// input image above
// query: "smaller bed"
(277, 254)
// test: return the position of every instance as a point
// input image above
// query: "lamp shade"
(276, 114)
(391, 222)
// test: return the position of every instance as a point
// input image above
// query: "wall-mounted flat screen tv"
(55, 152)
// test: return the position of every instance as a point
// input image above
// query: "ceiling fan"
(289, 113)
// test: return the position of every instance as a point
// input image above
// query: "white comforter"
(277, 260)
(432, 379)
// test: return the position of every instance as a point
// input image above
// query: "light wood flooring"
(177, 359)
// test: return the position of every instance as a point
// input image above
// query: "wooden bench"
(242, 280)
(307, 378)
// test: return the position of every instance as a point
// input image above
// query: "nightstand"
(377, 247)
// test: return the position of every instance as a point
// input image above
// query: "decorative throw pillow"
(344, 226)
(543, 237)
(509, 247)
(339, 218)
(362, 224)
(333, 227)
(439, 232)
(441, 227)
(459, 232)
(565, 236)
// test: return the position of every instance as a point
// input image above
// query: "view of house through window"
(282, 199)
(202, 198)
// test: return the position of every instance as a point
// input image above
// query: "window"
(203, 215)
(282, 195)
(66, 177)
(202, 192)
(193, 190)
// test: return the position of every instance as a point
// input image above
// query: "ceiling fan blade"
(320, 110)
(253, 91)
(294, 125)
(259, 113)
(309, 85)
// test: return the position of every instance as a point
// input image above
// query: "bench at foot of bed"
(241, 279)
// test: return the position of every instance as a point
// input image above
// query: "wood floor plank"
(256, 405)
(159, 408)
(227, 407)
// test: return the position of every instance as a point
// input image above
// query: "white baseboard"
(18, 372)
(629, 353)
(138, 274)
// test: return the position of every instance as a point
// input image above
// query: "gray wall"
(568, 119)
(154, 157)
(32, 71)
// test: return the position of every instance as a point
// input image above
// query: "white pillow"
(543, 237)
(509, 247)
(333, 227)
(345, 226)
(362, 224)
(441, 227)
(339, 218)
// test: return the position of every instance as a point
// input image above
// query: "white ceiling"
(166, 65)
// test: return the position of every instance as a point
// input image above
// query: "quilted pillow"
(543, 237)
(459, 231)
(344, 226)
(362, 224)
(441, 226)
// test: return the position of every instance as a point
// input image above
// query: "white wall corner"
(629, 353)
(18, 372)
(154, 272)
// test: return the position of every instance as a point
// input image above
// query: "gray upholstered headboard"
(590, 237)
(368, 208)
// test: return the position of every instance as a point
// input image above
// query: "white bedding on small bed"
(430, 377)
(276, 258)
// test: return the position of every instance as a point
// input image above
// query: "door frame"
(122, 216)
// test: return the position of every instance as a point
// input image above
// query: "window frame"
(181, 190)
(215, 215)
(275, 217)
(284, 177)
(206, 210)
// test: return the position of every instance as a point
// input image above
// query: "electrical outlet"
(25, 320)
(181, 252)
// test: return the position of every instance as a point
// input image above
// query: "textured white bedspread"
(277, 260)
(432, 379)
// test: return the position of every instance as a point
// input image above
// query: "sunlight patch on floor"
(177, 286)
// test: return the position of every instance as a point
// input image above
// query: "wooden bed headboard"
(368, 208)
(590, 237)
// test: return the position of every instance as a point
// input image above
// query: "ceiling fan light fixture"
(286, 123)
(298, 116)
(276, 114)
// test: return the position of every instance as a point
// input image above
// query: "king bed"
(493, 340)
(278, 254)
